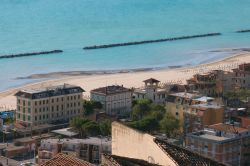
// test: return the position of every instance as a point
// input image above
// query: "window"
(29, 110)
(43, 101)
(24, 110)
(28, 118)
(35, 110)
(23, 103)
(40, 117)
(28, 103)
(79, 96)
(47, 116)
(52, 100)
(35, 103)
(18, 101)
(62, 98)
(23, 117)
(35, 118)
(40, 102)
(57, 99)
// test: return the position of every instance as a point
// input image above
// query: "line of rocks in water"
(150, 41)
(243, 31)
(31, 54)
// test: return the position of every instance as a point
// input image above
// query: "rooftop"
(120, 161)
(65, 132)
(90, 140)
(65, 160)
(185, 95)
(206, 106)
(213, 137)
(114, 89)
(227, 128)
(50, 91)
(183, 156)
(151, 81)
(204, 99)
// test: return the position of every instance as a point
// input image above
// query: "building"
(202, 115)
(241, 76)
(178, 103)
(131, 143)
(116, 100)
(152, 91)
(49, 105)
(225, 143)
(65, 160)
(214, 83)
(89, 149)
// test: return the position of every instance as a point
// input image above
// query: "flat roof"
(65, 131)
(185, 95)
(90, 140)
(206, 106)
(213, 137)
(204, 99)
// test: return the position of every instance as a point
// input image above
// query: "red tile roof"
(227, 128)
(65, 160)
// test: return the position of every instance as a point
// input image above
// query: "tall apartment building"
(202, 115)
(49, 105)
(116, 100)
(225, 143)
(89, 149)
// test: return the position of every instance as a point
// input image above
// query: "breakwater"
(150, 41)
(31, 54)
(243, 31)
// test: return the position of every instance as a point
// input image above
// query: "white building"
(116, 100)
(151, 91)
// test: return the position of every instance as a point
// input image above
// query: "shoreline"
(128, 79)
(59, 74)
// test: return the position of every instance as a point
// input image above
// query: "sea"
(42, 25)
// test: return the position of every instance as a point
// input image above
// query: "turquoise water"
(41, 25)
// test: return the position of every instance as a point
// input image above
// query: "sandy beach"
(128, 79)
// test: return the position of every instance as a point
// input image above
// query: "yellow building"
(52, 104)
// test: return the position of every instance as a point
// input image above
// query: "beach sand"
(129, 79)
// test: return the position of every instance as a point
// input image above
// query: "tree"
(141, 108)
(169, 124)
(90, 106)
(91, 128)
(105, 127)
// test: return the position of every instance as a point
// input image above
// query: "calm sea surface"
(42, 25)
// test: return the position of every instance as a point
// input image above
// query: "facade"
(214, 83)
(152, 91)
(178, 103)
(116, 100)
(241, 76)
(225, 143)
(89, 149)
(131, 143)
(199, 116)
(49, 105)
